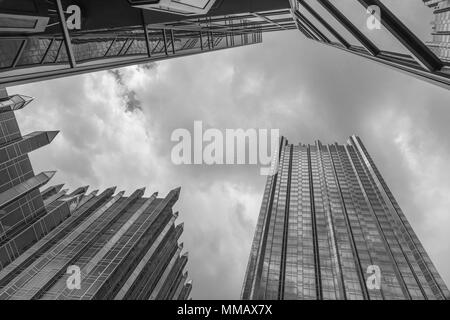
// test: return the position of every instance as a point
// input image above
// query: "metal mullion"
(285, 239)
(147, 39)
(211, 33)
(129, 46)
(226, 33)
(193, 43)
(66, 36)
(19, 53)
(208, 41)
(187, 44)
(436, 78)
(201, 41)
(157, 45)
(311, 34)
(59, 51)
(346, 23)
(165, 41)
(172, 38)
(267, 19)
(324, 23)
(47, 50)
(241, 32)
(318, 280)
(418, 49)
(212, 40)
(304, 31)
(123, 47)
(311, 26)
(110, 46)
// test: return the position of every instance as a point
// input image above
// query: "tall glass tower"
(330, 228)
(124, 247)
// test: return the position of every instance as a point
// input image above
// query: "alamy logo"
(74, 20)
(374, 20)
(74, 280)
(374, 280)
(236, 146)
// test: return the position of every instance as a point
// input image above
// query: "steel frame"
(421, 62)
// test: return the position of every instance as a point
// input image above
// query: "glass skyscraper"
(55, 38)
(125, 247)
(327, 221)
(350, 25)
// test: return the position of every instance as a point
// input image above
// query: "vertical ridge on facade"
(343, 222)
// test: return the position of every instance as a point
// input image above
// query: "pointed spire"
(177, 190)
(51, 135)
(181, 246)
(111, 189)
(121, 193)
(49, 174)
(58, 187)
(26, 99)
(15, 102)
(80, 190)
(94, 193)
(52, 189)
(14, 193)
(180, 227)
(176, 214)
(175, 193)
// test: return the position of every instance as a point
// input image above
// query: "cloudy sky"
(116, 128)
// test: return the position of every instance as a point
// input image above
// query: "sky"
(115, 129)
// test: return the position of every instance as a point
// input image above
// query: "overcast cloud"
(116, 128)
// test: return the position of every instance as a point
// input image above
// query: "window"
(22, 23)
(183, 7)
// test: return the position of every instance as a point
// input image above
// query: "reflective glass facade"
(440, 43)
(326, 219)
(55, 38)
(24, 217)
(126, 247)
(86, 36)
(344, 24)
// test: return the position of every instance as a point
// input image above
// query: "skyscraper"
(124, 247)
(330, 228)
(344, 25)
(55, 38)
(440, 43)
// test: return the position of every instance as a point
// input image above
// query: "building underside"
(110, 34)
